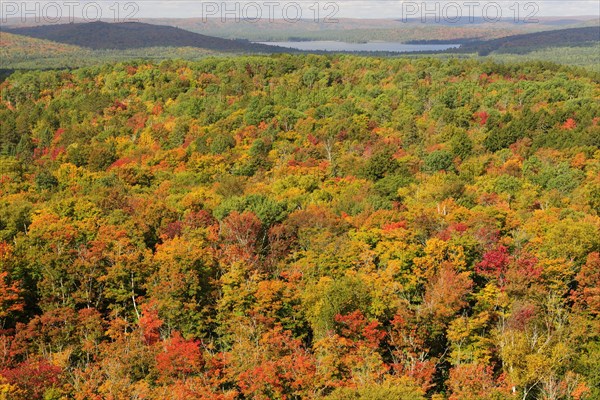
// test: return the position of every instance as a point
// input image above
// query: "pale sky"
(304, 9)
(374, 8)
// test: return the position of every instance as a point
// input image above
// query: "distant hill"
(15, 49)
(23, 52)
(546, 21)
(10, 43)
(132, 35)
(520, 44)
(349, 29)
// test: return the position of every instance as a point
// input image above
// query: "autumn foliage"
(300, 227)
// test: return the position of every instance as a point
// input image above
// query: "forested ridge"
(135, 35)
(529, 42)
(300, 227)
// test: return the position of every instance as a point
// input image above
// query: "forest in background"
(300, 227)
(351, 29)
(84, 45)
(135, 35)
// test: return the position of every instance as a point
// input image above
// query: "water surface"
(331, 45)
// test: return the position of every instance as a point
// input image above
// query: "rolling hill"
(18, 52)
(520, 44)
(132, 35)
(349, 29)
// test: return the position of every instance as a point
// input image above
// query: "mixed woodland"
(300, 227)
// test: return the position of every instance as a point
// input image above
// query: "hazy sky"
(374, 8)
(305, 9)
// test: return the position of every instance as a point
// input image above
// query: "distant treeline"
(531, 41)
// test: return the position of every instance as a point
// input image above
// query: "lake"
(330, 45)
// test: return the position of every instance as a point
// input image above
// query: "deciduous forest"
(300, 227)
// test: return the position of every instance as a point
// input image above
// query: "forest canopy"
(300, 227)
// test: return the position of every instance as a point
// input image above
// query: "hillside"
(354, 30)
(525, 43)
(17, 44)
(349, 30)
(22, 52)
(300, 227)
(571, 47)
(132, 35)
